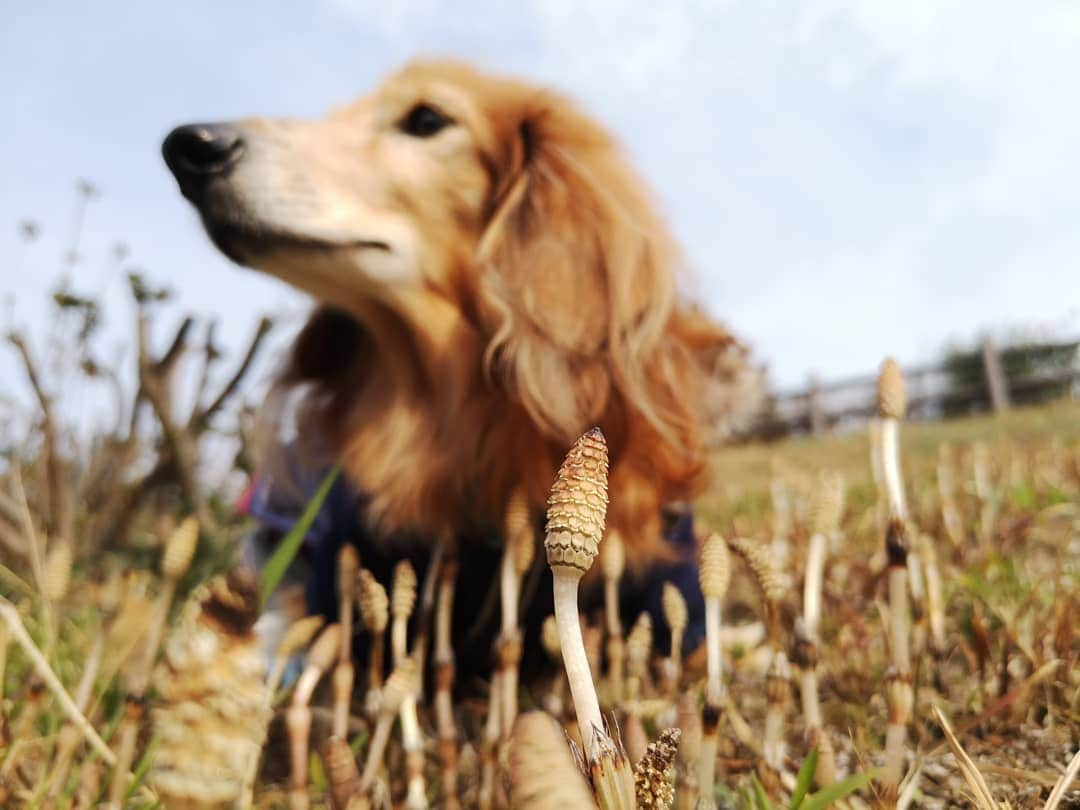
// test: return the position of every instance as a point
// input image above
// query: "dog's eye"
(423, 121)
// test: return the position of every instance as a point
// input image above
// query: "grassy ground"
(1010, 586)
(1004, 669)
(742, 475)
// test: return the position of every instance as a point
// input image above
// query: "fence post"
(995, 376)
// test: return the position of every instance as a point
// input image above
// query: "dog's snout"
(195, 153)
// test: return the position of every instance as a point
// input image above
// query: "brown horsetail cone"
(324, 650)
(765, 573)
(519, 531)
(319, 659)
(403, 595)
(374, 603)
(57, 572)
(577, 505)
(613, 555)
(180, 548)
(654, 776)
(675, 612)
(715, 572)
(891, 396)
(639, 642)
(341, 771)
(299, 635)
(401, 683)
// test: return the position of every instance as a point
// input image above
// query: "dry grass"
(1007, 677)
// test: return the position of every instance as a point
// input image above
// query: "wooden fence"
(851, 402)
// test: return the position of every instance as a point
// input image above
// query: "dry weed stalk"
(677, 617)
(772, 587)
(400, 684)
(23, 732)
(892, 404)
(518, 555)
(778, 702)
(344, 672)
(1064, 783)
(613, 564)
(828, 506)
(984, 800)
(877, 470)
(10, 615)
(298, 716)
(402, 602)
(638, 649)
(490, 742)
(935, 604)
(59, 512)
(425, 610)
(297, 638)
(446, 727)
(177, 556)
(715, 576)
(70, 737)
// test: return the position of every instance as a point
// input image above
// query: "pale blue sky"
(849, 180)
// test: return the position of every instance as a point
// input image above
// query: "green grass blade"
(317, 772)
(804, 778)
(834, 792)
(358, 742)
(140, 770)
(284, 555)
(761, 801)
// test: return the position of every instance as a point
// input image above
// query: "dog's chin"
(250, 244)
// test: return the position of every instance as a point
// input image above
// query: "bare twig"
(60, 514)
(200, 418)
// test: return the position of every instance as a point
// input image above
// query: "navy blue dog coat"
(276, 507)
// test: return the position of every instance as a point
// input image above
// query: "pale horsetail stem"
(577, 507)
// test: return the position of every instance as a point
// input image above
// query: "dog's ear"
(577, 284)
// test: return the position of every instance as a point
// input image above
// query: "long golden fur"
(488, 291)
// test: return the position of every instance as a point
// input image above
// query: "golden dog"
(492, 280)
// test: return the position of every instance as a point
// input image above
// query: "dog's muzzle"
(198, 153)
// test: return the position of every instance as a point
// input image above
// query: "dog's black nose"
(197, 152)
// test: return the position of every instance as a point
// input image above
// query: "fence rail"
(932, 393)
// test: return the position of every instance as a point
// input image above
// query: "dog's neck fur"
(425, 397)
